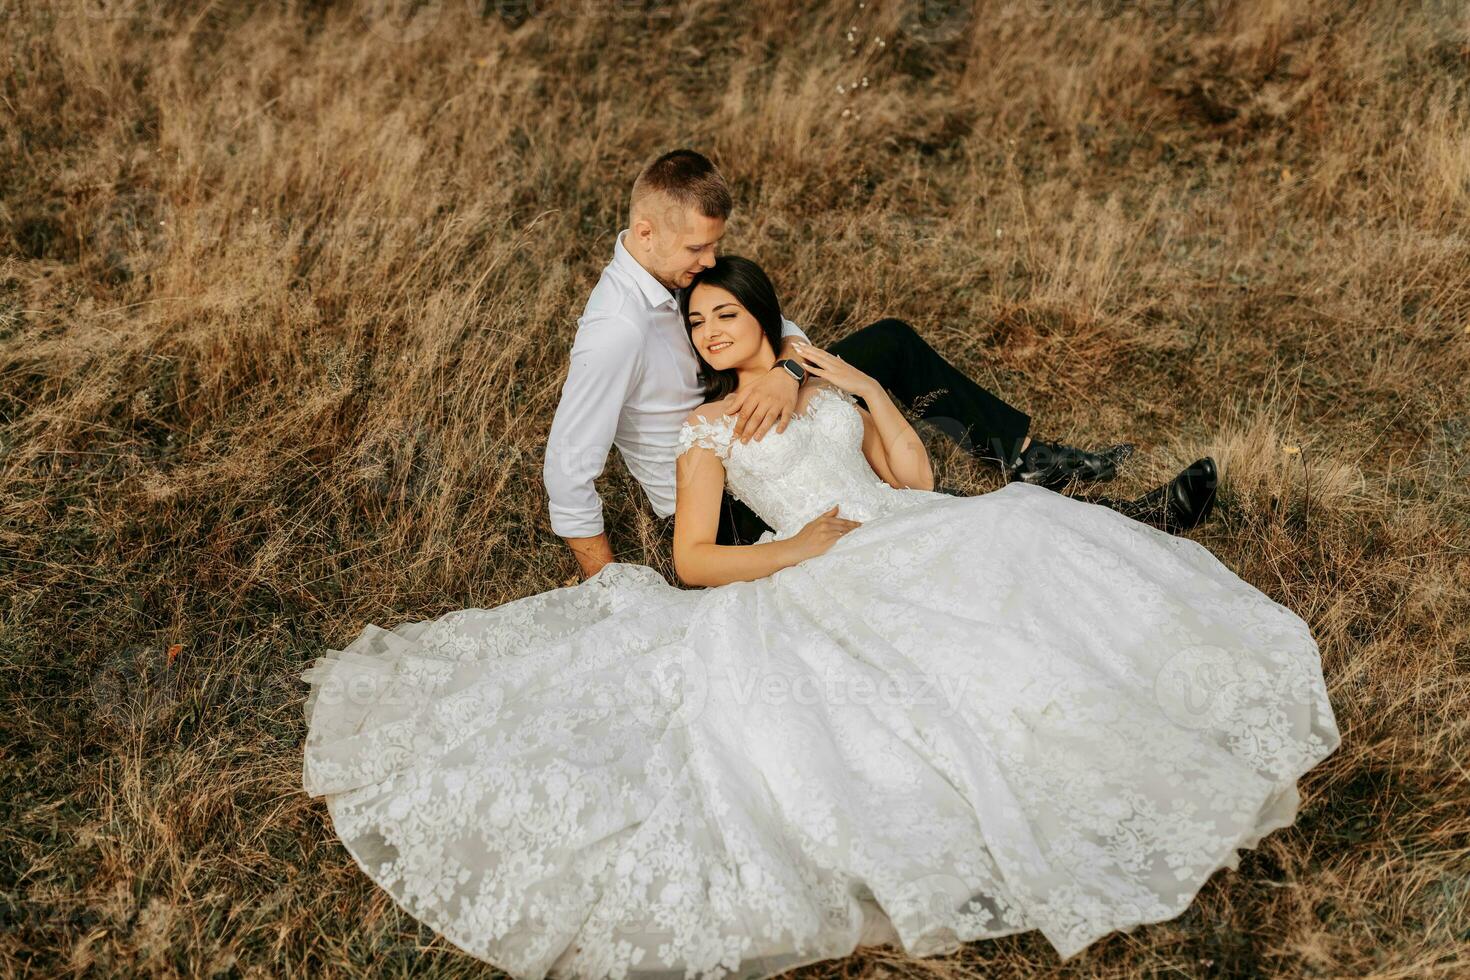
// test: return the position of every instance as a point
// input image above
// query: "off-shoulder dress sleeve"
(713, 435)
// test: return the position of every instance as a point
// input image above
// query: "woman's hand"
(820, 533)
(834, 369)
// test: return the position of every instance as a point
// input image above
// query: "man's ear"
(642, 230)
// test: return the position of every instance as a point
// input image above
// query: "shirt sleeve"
(606, 361)
(789, 329)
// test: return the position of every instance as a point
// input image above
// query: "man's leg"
(982, 425)
(894, 355)
(738, 523)
(1182, 504)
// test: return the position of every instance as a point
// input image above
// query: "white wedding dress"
(971, 717)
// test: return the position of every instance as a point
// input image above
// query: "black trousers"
(918, 377)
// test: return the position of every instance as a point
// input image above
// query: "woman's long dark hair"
(749, 284)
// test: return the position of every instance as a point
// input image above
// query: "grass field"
(286, 293)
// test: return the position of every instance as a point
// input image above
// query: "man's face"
(682, 243)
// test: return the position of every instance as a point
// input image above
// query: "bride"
(902, 717)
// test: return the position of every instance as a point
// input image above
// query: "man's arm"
(606, 359)
(790, 334)
(591, 553)
(788, 345)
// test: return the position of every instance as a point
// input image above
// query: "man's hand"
(764, 403)
(592, 553)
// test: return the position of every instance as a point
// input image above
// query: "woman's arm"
(898, 454)
(892, 447)
(697, 559)
(873, 448)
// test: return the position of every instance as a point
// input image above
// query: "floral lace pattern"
(973, 716)
(789, 480)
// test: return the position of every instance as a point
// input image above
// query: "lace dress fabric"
(789, 481)
(971, 717)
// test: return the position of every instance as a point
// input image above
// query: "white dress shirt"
(633, 380)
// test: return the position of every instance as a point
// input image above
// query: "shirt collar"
(654, 291)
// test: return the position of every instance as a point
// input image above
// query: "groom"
(634, 376)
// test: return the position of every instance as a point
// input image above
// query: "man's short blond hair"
(688, 179)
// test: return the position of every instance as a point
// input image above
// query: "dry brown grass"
(284, 311)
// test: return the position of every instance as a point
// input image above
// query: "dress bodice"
(787, 478)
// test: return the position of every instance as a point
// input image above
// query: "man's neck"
(633, 251)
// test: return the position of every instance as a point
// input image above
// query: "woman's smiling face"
(724, 332)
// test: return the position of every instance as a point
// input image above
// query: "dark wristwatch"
(794, 369)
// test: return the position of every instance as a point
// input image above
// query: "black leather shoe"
(1053, 466)
(1182, 504)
